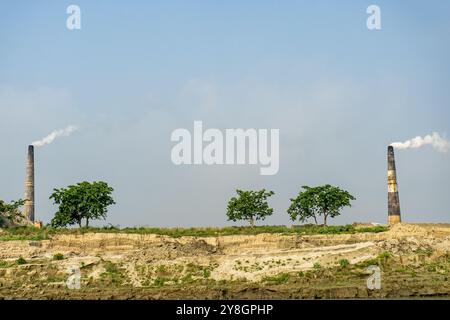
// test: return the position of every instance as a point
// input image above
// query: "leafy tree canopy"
(85, 200)
(326, 201)
(10, 211)
(250, 206)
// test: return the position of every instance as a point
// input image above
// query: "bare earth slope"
(414, 260)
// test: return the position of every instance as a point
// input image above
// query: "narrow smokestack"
(393, 199)
(29, 185)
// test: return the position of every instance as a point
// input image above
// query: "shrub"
(385, 255)
(344, 263)
(58, 256)
(159, 282)
(206, 273)
(111, 268)
(3, 264)
(10, 211)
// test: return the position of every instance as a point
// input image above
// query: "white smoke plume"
(55, 134)
(435, 140)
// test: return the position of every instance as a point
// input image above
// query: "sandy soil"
(154, 266)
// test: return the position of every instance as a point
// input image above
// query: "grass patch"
(375, 229)
(159, 282)
(187, 278)
(36, 234)
(344, 263)
(161, 269)
(424, 252)
(55, 278)
(112, 273)
(278, 279)
(21, 261)
(4, 264)
(58, 256)
(385, 255)
(111, 267)
(381, 260)
(206, 273)
(23, 233)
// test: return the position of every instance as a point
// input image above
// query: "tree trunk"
(252, 222)
(87, 222)
(315, 220)
(325, 215)
(79, 223)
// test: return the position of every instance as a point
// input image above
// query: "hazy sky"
(137, 70)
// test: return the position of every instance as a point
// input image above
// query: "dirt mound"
(403, 229)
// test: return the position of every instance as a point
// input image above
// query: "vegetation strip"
(31, 233)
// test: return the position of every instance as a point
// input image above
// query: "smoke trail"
(55, 134)
(435, 140)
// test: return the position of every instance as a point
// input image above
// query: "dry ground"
(414, 259)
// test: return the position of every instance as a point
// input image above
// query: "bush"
(21, 260)
(10, 211)
(58, 256)
(344, 263)
(385, 255)
(206, 273)
(159, 282)
(3, 264)
(111, 268)
(375, 229)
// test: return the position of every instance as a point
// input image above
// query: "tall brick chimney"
(393, 199)
(29, 186)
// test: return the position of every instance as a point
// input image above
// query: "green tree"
(10, 211)
(326, 201)
(88, 201)
(250, 206)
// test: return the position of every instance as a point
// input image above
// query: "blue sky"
(137, 70)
